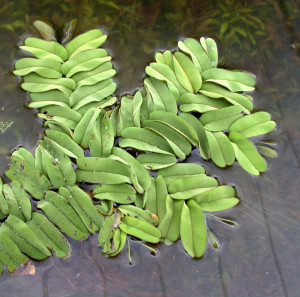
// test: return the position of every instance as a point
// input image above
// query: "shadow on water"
(257, 258)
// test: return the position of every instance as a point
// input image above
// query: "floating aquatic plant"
(91, 138)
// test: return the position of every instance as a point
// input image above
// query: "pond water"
(260, 257)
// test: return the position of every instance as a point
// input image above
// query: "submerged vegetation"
(117, 165)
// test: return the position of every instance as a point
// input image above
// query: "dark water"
(260, 257)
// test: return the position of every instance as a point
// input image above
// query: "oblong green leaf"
(179, 144)
(24, 238)
(48, 68)
(86, 41)
(142, 181)
(58, 210)
(139, 213)
(144, 140)
(199, 56)
(180, 170)
(176, 123)
(170, 223)
(188, 187)
(83, 205)
(10, 255)
(65, 143)
(140, 229)
(85, 61)
(199, 129)
(102, 170)
(215, 91)
(122, 193)
(193, 229)
(3, 203)
(162, 98)
(254, 124)
(45, 49)
(217, 199)
(221, 119)
(186, 73)
(154, 161)
(246, 154)
(201, 103)
(221, 149)
(49, 235)
(18, 201)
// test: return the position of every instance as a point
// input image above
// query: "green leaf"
(199, 56)
(86, 41)
(48, 68)
(35, 83)
(164, 73)
(199, 129)
(24, 238)
(116, 120)
(267, 151)
(198, 102)
(144, 140)
(140, 229)
(46, 30)
(50, 96)
(156, 197)
(65, 143)
(119, 240)
(170, 223)
(32, 180)
(210, 47)
(51, 237)
(10, 254)
(100, 73)
(217, 199)
(181, 170)
(176, 123)
(154, 161)
(140, 178)
(4, 210)
(193, 229)
(254, 124)
(58, 210)
(18, 201)
(221, 119)
(106, 207)
(214, 91)
(122, 193)
(96, 93)
(106, 233)
(83, 205)
(162, 98)
(45, 49)
(85, 61)
(179, 144)
(139, 213)
(102, 170)
(186, 73)
(130, 110)
(189, 187)
(246, 154)
(25, 155)
(235, 81)
(221, 149)
(84, 128)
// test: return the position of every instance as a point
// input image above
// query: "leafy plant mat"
(128, 152)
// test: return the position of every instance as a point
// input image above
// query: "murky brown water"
(258, 258)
